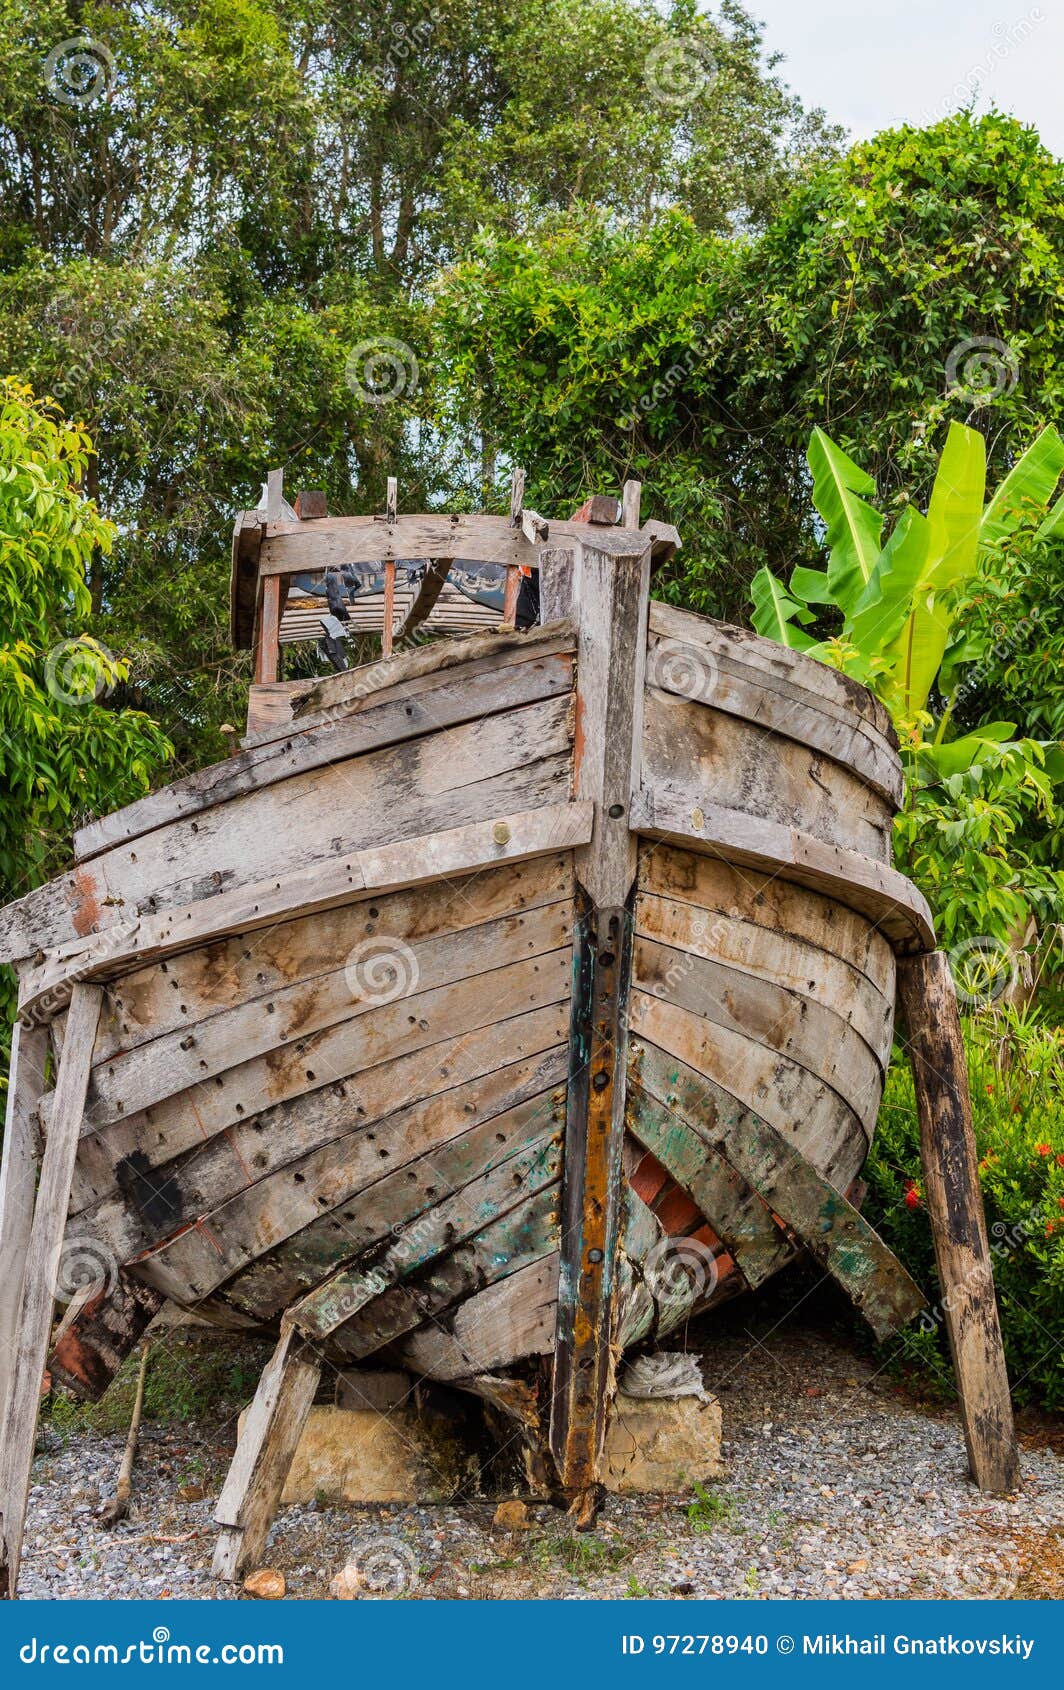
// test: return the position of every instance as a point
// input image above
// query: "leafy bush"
(1018, 1108)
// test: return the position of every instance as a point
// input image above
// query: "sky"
(873, 64)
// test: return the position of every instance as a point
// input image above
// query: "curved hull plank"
(518, 998)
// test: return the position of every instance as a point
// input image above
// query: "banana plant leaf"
(886, 600)
(1026, 490)
(956, 756)
(953, 514)
(853, 525)
(775, 612)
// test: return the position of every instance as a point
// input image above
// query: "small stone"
(347, 1585)
(192, 1493)
(510, 1517)
(860, 1566)
(267, 1584)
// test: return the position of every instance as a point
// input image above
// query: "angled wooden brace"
(274, 1424)
(34, 1321)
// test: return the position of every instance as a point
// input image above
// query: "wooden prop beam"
(275, 1421)
(41, 1277)
(429, 590)
(928, 1001)
(18, 1178)
(611, 593)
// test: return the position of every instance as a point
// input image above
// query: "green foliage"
(710, 1509)
(64, 753)
(1018, 1107)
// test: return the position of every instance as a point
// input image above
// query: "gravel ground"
(835, 1485)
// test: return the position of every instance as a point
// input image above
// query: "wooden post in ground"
(928, 1000)
(271, 1434)
(610, 601)
(34, 1323)
(18, 1181)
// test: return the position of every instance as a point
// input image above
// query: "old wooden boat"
(499, 1005)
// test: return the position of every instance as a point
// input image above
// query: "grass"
(710, 1509)
(191, 1376)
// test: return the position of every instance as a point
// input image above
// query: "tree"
(65, 752)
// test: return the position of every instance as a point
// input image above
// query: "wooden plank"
(196, 985)
(631, 497)
(743, 647)
(682, 815)
(354, 689)
(267, 637)
(762, 954)
(776, 1019)
(41, 1277)
(928, 1001)
(556, 575)
(527, 1233)
(513, 588)
(92, 1342)
(388, 624)
(269, 708)
(449, 1142)
(196, 1261)
(477, 772)
(789, 914)
(289, 548)
(451, 853)
(386, 975)
(488, 1197)
(731, 1205)
(274, 1425)
(691, 748)
(505, 1322)
(424, 601)
(611, 593)
(829, 1226)
(801, 1107)
(18, 1182)
(692, 672)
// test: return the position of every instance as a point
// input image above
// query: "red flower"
(1044, 1149)
(1060, 1160)
(912, 1198)
(990, 1091)
(1051, 1227)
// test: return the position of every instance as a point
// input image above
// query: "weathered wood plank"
(689, 747)
(266, 637)
(801, 1107)
(457, 697)
(91, 1345)
(196, 1261)
(733, 1208)
(189, 988)
(611, 592)
(928, 1001)
(774, 958)
(695, 673)
(448, 854)
(467, 1140)
(833, 1231)
(269, 711)
(405, 673)
(772, 1017)
(275, 1421)
(462, 1213)
(750, 650)
(391, 976)
(825, 930)
(138, 1160)
(18, 1183)
(525, 1235)
(40, 1279)
(682, 815)
(335, 541)
(501, 1324)
(469, 773)
(428, 592)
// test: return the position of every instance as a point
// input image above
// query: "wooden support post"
(18, 1181)
(268, 644)
(928, 1000)
(271, 1434)
(513, 587)
(631, 498)
(41, 1275)
(611, 598)
(387, 626)
(274, 495)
